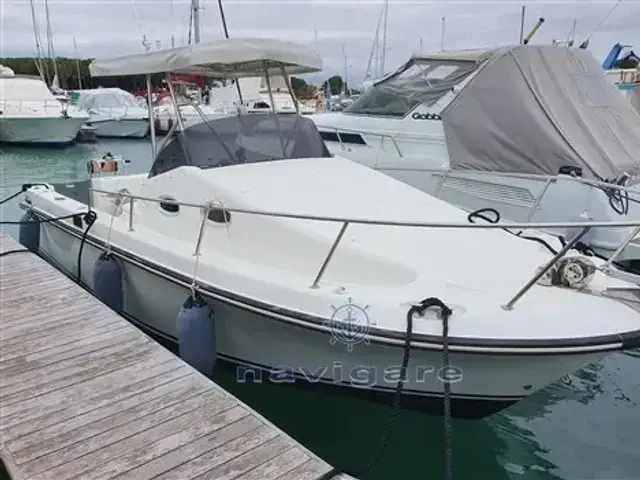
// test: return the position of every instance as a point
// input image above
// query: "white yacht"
(535, 132)
(113, 112)
(312, 268)
(30, 114)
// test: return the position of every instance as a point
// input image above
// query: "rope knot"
(423, 305)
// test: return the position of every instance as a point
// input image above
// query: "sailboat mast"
(39, 52)
(384, 38)
(195, 5)
(51, 51)
(75, 49)
(373, 54)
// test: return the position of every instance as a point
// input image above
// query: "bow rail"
(583, 226)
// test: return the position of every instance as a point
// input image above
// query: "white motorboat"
(30, 114)
(313, 265)
(113, 112)
(534, 131)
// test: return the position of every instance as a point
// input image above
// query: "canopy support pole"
(174, 100)
(273, 107)
(290, 88)
(152, 126)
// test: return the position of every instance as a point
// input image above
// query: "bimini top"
(231, 58)
(537, 108)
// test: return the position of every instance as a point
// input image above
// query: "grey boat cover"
(535, 108)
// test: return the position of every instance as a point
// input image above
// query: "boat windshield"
(419, 81)
(241, 139)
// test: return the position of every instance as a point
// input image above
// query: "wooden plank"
(250, 460)
(67, 339)
(219, 456)
(186, 453)
(87, 395)
(111, 364)
(311, 470)
(150, 451)
(112, 444)
(94, 422)
(51, 410)
(277, 466)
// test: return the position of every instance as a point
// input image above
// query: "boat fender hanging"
(29, 233)
(570, 272)
(107, 281)
(197, 334)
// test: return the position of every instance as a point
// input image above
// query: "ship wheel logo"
(349, 324)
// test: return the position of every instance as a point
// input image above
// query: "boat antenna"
(442, 35)
(585, 43)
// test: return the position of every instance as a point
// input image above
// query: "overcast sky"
(104, 28)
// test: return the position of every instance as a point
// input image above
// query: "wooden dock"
(86, 395)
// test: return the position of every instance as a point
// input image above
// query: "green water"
(583, 427)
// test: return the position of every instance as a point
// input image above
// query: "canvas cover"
(535, 108)
(228, 58)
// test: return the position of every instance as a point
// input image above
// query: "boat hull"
(262, 348)
(40, 130)
(123, 128)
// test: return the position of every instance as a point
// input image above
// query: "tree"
(335, 84)
(68, 76)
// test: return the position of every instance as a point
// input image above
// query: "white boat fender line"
(419, 308)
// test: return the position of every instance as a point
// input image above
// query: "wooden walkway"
(86, 395)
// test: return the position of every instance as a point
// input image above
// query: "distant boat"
(30, 113)
(113, 111)
(623, 74)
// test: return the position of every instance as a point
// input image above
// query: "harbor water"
(583, 427)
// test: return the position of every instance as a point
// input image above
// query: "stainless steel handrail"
(362, 132)
(584, 226)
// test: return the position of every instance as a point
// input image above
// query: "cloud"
(104, 28)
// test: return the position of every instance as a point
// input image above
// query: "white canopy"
(231, 58)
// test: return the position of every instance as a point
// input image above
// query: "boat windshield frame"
(230, 58)
(421, 81)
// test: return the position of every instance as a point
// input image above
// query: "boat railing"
(632, 191)
(449, 173)
(382, 136)
(206, 208)
(21, 106)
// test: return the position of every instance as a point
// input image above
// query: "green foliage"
(68, 74)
